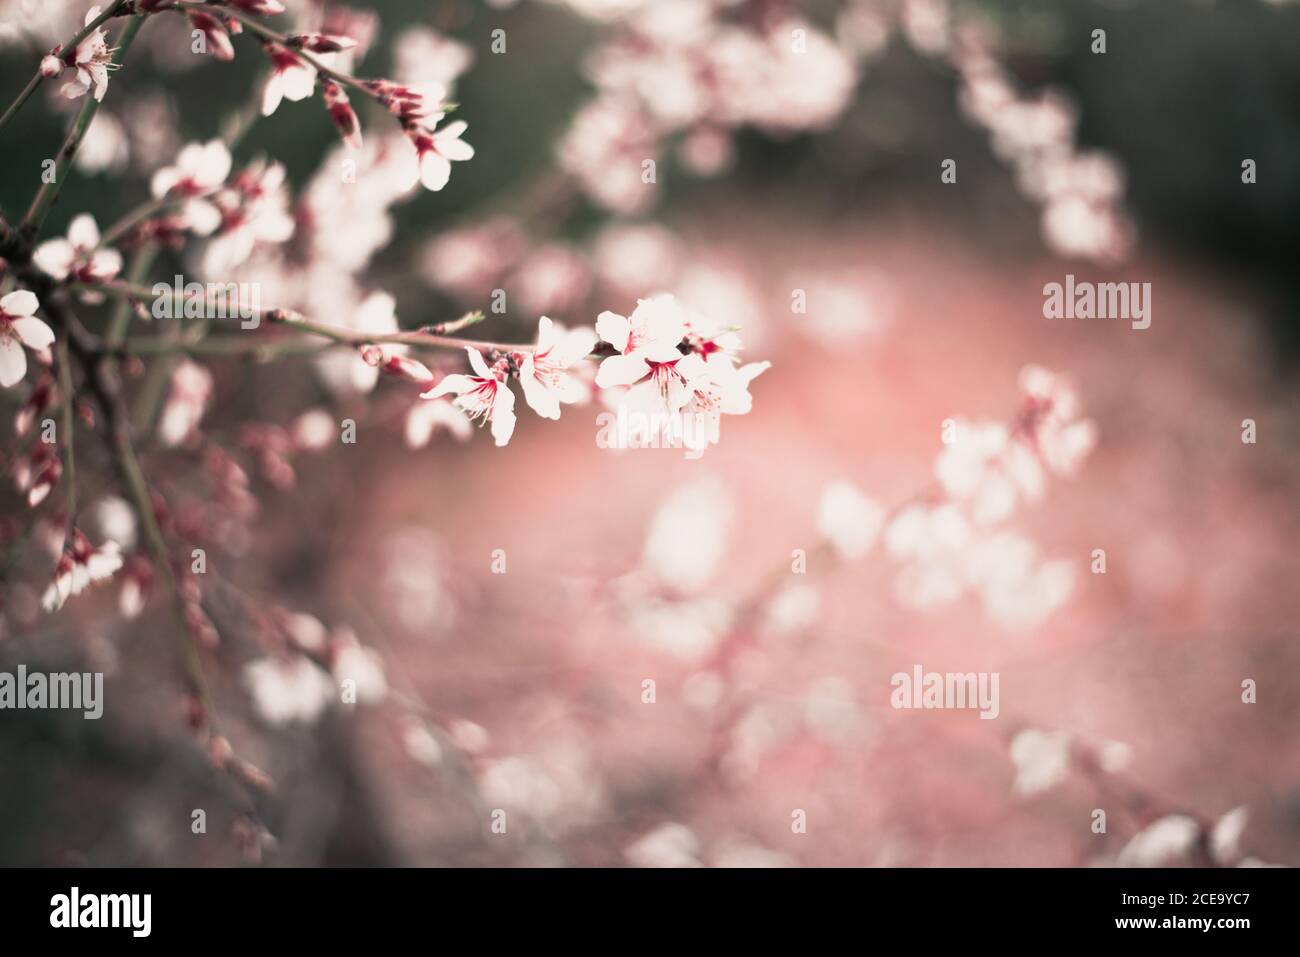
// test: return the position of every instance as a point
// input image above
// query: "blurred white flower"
(849, 520)
(688, 535)
(288, 691)
(1042, 759)
(668, 845)
(1168, 842)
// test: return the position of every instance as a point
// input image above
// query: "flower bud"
(345, 118)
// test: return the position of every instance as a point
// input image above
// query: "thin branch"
(435, 336)
(49, 192)
(69, 448)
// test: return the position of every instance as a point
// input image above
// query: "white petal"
(539, 398)
(106, 263)
(13, 361)
(454, 383)
(454, 149)
(299, 82)
(83, 232)
(203, 217)
(163, 181)
(503, 415)
(620, 370)
(452, 130)
(55, 258)
(435, 170)
(34, 333)
(214, 163)
(614, 329)
(574, 347)
(477, 363)
(272, 94)
(19, 303)
(545, 334)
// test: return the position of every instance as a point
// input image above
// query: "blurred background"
(501, 610)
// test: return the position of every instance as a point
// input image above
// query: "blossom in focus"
(721, 389)
(544, 372)
(482, 395)
(19, 328)
(650, 335)
(79, 567)
(79, 255)
(91, 60)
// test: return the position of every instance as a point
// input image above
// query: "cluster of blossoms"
(668, 363)
(689, 68)
(954, 542)
(1081, 192)
(301, 65)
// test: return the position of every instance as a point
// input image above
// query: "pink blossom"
(19, 328)
(544, 372)
(92, 61)
(435, 152)
(200, 169)
(79, 567)
(289, 691)
(79, 255)
(290, 78)
(187, 400)
(341, 112)
(215, 35)
(483, 395)
(36, 474)
(650, 335)
(254, 210)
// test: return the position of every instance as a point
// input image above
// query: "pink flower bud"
(51, 66)
(320, 43)
(214, 34)
(345, 118)
(411, 369)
